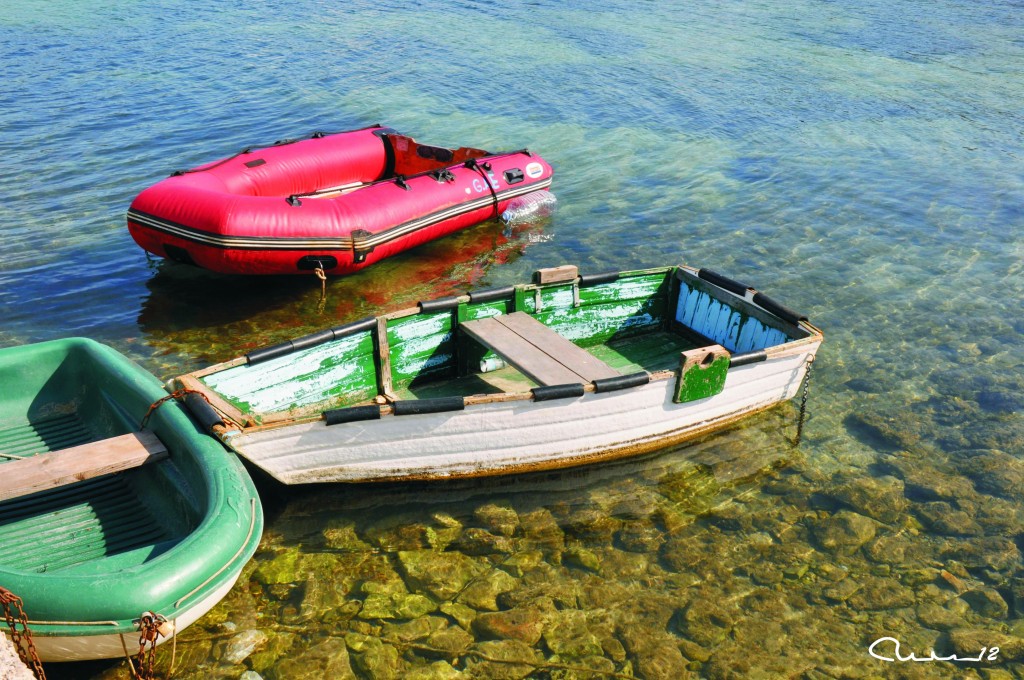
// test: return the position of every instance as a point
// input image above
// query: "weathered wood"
(566, 272)
(67, 466)
(577, 359)
(538, 366)
(190, 382)
(537, 351)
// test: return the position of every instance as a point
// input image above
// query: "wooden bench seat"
(67, 466)
(537, 351)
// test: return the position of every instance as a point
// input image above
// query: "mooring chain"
(27, 651)
(149, 631)
(803, 401)
(151, 626)
(177, 394)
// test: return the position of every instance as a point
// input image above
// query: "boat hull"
(62, 647)
(518, 436)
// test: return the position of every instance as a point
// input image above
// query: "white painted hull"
(519, 435)
(59, 648)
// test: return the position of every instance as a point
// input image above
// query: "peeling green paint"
(337, 373)
(700, 379)
(421, 346)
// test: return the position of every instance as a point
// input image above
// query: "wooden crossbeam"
(537, 351)
(67, 466)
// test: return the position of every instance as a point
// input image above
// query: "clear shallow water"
(860, 162)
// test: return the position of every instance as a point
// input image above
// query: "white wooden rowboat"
(563, 371)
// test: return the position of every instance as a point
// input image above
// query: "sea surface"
(860, 161)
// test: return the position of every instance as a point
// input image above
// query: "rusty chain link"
(12, 606)
(151, 626)
(177, 394)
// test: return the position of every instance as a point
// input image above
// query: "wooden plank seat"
(537, 351)
(56, 468)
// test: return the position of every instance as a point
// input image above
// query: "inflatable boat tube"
(337, 202)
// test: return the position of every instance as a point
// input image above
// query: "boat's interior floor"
(656, 351)
(73, 524)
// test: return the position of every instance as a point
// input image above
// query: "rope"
(127, 656)
(22, 640)
(319, 271)
(803, 402)
(177, 394)
(482, 169)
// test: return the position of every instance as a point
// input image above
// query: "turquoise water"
(859, 161)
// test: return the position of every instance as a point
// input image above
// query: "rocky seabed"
(713, 562)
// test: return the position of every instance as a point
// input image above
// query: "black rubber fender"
(365, 324)
(779, 310)
(566, 391)
(411, 407)
(748, 358)
(597, 279)
(723, 281)
(622, 382)
(258, 356)
(201, 409)
(352, 414)
(491, 294)
(438, 305)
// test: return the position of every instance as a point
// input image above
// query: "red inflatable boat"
(336, 202)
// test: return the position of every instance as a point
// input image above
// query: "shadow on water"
(200, 316)
(697, 474)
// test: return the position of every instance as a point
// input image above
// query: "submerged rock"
(943, 518)
(880, 498)
(482, 594)
(591, 525)
(995, 472)
(501, 519)
(541, 530)
(987, 602)
(502, 660)
(704, 621)
(440, 574)
(439, 670)
(477, 541)
(587, 668)
(281, 569)
(567, 635)
(326, 659)
(448, 643)
(242, 645)
(344, 538)
(845, 532)
(881, 593)
(392, 605)
(639, 536)
(941, 617)
(968, 642)
(523, 624)
(373, 658)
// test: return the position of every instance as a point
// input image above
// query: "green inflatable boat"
(101, 519)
